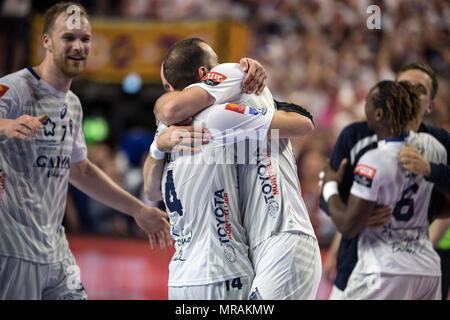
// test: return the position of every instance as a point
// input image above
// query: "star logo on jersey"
(49, 127)
(213, 78)
(3, 90)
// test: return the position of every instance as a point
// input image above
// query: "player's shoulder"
(73, 98)
(440, 134)
(378, 161)
(18, 81)
(359, 129)
(428, 145)
(354, 140)
(354, 132)
(228, 70)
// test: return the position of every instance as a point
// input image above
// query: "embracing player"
(397, 261)
(283, 246)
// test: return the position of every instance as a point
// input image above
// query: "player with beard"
(282, 243)
(42, 149)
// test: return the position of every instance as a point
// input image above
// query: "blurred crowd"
(317, 53)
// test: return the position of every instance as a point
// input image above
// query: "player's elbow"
(307, 127)
(153, 195)
(302, 127)
(349, 228)
(170, 113)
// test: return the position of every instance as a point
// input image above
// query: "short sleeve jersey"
(35, 175)
(269, 187)
(201, 196)
(403, 246)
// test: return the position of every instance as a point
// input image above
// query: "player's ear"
(202, 71)
(47, 43)
(430, 108)
(379, 114)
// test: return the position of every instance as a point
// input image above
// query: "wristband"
(161, 128)
(155, 153)
(329, 189)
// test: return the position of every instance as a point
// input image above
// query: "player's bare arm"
(352, 218)
(290, 124)
(175, 106)
(25, 127)
(87, 177)
(152, 173)
(186, 138)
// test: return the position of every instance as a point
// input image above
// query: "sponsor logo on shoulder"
(3, 90)
(245, 109)
(235, 107)
(364, 175)
(213, 78)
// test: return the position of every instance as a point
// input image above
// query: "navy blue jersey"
(355, 140)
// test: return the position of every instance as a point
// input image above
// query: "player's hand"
(331, 175)
(379, 217)
(255, 78)
(155, 222)
(412, 160)
(25, 127)
(186, 138)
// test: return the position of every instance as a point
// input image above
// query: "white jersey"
(201, 196)
(35, 175)
(403, 246)
(268, 180)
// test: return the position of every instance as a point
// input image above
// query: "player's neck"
(385, 135)
(51, 74)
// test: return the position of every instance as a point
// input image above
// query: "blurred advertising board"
(127, 269)
(121, 268)
(121, 47)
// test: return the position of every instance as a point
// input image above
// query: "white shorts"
(233, 289)
(26, 280)
(287, 266)
(381, 286)
(336, 294)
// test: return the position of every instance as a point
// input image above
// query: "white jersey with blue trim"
(201, 197)
(403, 246)
(269, 187)
(35, 174)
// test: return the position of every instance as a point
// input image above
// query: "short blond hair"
(54, 11)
